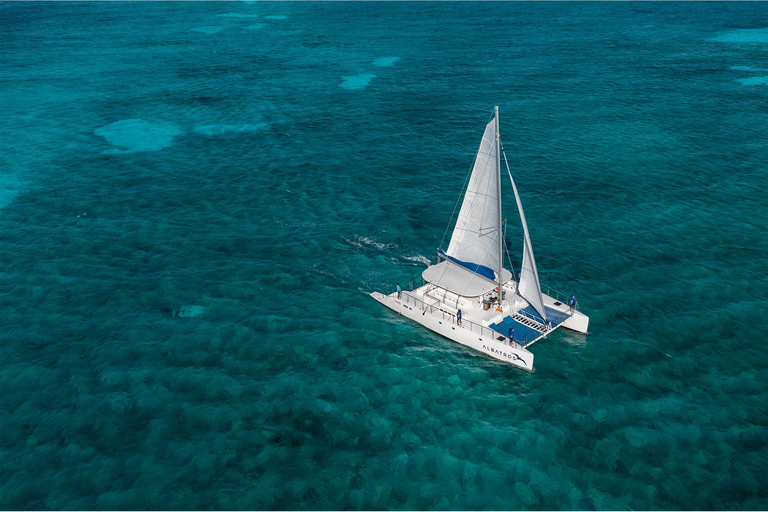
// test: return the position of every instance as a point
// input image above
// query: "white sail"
(453, 301)
(528, 287)
(475, 238)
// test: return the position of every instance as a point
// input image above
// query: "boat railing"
(528, 338)
(436, 310)
(442, 295)
(558, 295)
(417, 281)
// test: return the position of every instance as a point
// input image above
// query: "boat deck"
(528, 325)
(523, 334)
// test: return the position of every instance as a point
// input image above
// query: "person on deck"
(572, 302)
(511, 334)
(458, 317)
(398, 290)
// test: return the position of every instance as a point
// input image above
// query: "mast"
(498, 176)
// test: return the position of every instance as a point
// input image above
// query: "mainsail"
(476, 244)
(475, 238)
(528, 287)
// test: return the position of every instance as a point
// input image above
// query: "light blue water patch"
(237, 15)
(358, 81)
(109, 401)
(755, 80)
(747, 68)
(219, 129)
(385, 62)
(276, 17)
(746, 35)
(10, 187)
(256, 26)
(134, 135)
(208, 30)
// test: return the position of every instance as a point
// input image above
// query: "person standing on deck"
(398, 290)
(458, 317)
(572, 301)
(511, 334)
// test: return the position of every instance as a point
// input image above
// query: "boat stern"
(578, 322)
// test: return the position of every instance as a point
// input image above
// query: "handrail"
(525, 341)
(559, 295)
(473, 327)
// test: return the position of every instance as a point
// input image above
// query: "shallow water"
(197, 198)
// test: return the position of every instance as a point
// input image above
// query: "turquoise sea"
(196, 198)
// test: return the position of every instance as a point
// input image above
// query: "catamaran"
(468, 296)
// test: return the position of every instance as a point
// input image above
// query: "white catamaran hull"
(578, 322)
(468, 275)
(445, 325)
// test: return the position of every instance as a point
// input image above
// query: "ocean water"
(196, 198)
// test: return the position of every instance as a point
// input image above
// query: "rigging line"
(458, 200)
(517, 281)
(506, 249)
(466, 180)
(527, 250)
(488, 247)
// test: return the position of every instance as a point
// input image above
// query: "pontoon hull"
(447, 327)
(578, 322)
